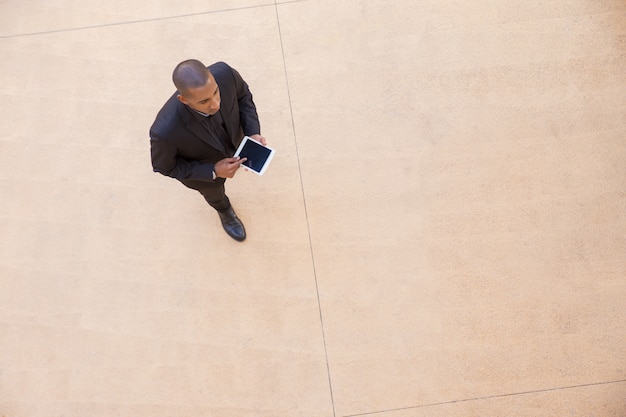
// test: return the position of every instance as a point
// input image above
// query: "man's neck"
(199, 112)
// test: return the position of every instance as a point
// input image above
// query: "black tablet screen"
(256, 154)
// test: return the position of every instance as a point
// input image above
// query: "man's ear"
(182, 99)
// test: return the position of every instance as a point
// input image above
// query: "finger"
(228, 161)
(235, 161)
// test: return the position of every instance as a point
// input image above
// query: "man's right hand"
(227, 167)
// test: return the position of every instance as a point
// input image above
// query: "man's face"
(205, 99)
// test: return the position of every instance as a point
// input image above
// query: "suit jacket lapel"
(197, 129)
(227, 127)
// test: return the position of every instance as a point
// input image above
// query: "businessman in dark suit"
(196, 133)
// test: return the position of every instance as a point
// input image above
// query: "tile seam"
(132, 22)
(312, 253)
(488, 397)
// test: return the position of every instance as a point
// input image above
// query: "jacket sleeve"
(248, 116)
(166, 161)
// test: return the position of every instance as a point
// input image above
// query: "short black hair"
(190, 74)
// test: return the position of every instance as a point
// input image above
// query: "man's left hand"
(259, 138)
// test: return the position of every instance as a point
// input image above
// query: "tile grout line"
(306, 214)
(132, 22)
(487, 397)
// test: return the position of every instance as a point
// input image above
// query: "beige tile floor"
(442, 232)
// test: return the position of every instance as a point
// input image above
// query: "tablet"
(259, 156)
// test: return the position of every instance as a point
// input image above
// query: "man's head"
(196, 86)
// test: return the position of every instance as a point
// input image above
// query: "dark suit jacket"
(180, 146)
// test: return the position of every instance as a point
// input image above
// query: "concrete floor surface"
(441, 233)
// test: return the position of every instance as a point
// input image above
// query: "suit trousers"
(213, 192)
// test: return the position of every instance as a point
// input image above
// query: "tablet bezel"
(267, 161)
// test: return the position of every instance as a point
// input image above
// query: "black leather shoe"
(232, 224)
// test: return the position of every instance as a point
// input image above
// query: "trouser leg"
(216, 197)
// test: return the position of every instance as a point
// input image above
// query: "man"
(198, 130)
